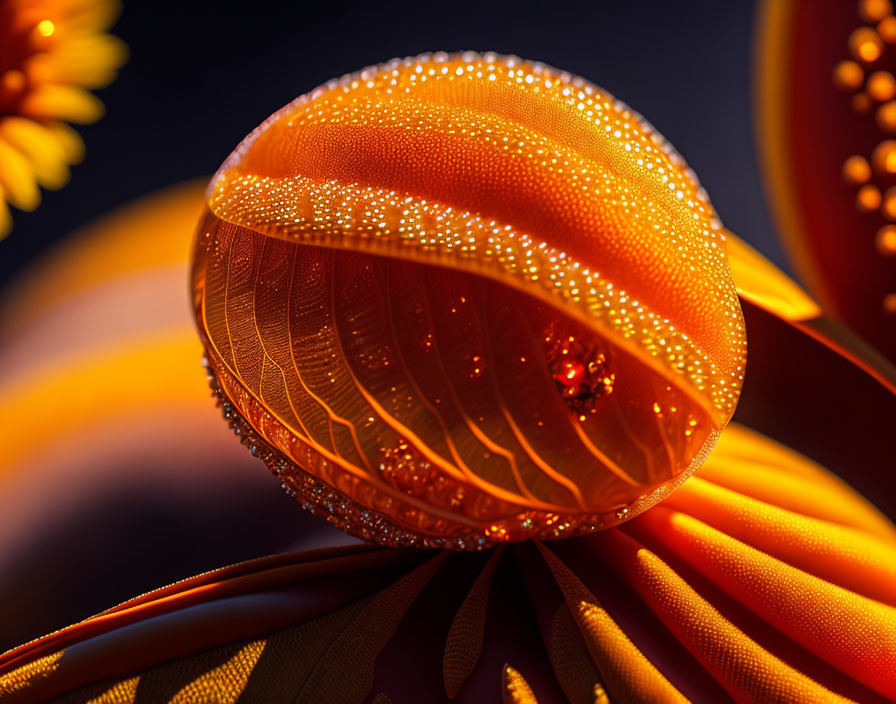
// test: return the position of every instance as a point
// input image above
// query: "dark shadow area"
(79, 564)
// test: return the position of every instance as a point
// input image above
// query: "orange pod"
(826, 112)
(459, 299)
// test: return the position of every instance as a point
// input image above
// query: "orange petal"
(516, 689)
(761, 282)
(464, 642)
(820, 114)
(41, 149)
(840, 554)
(630, 676)
(17, 178)
(850, 631)
(572, 664)
(59, 102)
(753, 465)
(744, 668)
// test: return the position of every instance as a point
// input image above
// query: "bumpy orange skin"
(457, 300)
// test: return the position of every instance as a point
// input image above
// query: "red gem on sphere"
(571, 374)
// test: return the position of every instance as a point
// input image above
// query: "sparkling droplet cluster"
(580, 371)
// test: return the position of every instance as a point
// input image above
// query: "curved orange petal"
(825, 121)
(846, 629)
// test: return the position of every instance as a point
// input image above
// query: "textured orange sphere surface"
(461, 299)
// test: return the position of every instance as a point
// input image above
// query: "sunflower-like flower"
(52, 52)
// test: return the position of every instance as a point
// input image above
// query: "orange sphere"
(454, 300)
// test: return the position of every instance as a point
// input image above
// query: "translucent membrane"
(458, 299)
(414, 403)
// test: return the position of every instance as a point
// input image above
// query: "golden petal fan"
(674, 606)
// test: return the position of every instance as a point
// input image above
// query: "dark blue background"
(203, 74)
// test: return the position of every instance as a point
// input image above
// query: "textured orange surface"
(475, 296)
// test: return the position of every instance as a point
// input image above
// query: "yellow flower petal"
(57, 102)
(70, 141)
(40, 147)
(5, 215)
(91, 61)
(17, 178)
(83, 16)
(54, 53)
